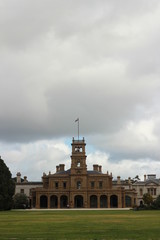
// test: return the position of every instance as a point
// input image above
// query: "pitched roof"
(69, 171)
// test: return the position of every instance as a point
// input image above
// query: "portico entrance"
(78, 201)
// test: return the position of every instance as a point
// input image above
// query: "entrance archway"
(114, 201)
(103, 201)
(53, 201)
(63, 201)
(93, 201)
(43, 201)
(78, 201)
(141, 203)
(128, 201)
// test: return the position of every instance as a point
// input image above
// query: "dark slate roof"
(69, 171)
(29, 183)
(148, 181)
(93, 172)
(64, 172)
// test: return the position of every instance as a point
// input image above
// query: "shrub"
(20, 201)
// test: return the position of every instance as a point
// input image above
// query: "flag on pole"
(77, 120)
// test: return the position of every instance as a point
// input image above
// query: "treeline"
(7, 190)
(7, 187)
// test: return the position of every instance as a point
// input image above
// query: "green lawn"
(87, 224)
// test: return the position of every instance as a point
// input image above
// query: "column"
(98, 201)
(108, 201)
(48, 201)
(119, 201)
(58, 201)
(37, 201)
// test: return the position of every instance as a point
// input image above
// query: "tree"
(7, 187)
(20, 200)
(156, 203)
(147, 198)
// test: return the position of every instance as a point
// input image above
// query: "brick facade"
(78, 187)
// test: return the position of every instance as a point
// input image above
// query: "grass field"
(80, 225)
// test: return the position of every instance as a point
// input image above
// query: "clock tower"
(78, 157)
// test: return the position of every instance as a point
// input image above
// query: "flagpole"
(78, 129)
(77, 120)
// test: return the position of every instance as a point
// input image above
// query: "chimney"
(129, 180)
(57, 168)
(118, 180)
(144, 177)
(18, 177)
(61, 167)
(25, 179)
(95, 167)
(100, 168)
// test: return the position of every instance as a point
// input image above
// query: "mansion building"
(77, 187)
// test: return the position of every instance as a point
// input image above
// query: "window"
(141, 191)
(100, 184)
(78, 149)
(22, 191)
(56, 184)
(78, 164)
(78, 184)
(92, 184)
(152, 191)
(64, 185)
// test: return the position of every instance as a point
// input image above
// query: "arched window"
(128, 201)
(103, 201)
(78, 184)
(78, 164)
(93, 201)
(63, 201)
(114, 201)
(53, 201)
(141, 203)
(43, 201)
(78, 201)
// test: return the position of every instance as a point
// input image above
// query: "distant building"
(24, 186)
(78, 187)
(150, 185)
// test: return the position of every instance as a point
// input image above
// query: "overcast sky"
(98, 60)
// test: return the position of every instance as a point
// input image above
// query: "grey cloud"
(96, 60)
